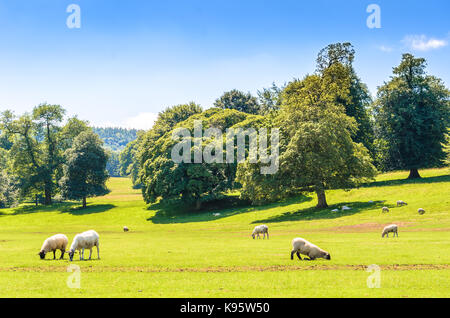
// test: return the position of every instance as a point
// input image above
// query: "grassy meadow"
(171, 254)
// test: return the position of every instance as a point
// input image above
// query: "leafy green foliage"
(238, 100)
(38, 143)
(270, 99)
(137, 152)
(358, 104)
(412, 114)
(9, 192)
(192, 183)
(85, 172)
(317, 150)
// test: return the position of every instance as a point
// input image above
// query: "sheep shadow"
(229, 206)
(314, 213)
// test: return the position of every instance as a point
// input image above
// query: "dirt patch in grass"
(274, 268)
(363, 227)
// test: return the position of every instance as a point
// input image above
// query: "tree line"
(333, 135)
(43, 159)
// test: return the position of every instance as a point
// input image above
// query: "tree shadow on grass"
(73, 208)
(445, 178)
(314, 213)
(28, 209)
(90, 209)
(229, 206)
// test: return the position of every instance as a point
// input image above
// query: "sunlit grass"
(197, 254)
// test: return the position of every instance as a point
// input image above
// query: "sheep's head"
(327, 256)
(42, 254)
(253, 235)
(71, 253)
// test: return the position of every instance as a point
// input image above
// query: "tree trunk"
(84, 203)
(321, 199)
(47, 194)
(414, 174)
(198, 204)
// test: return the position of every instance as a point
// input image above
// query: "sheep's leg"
(98, 252)
(62, 254)
(267, 235)
(295, 252)
(90, 253)
(54, 254)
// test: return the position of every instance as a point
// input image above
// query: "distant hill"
(116, 139)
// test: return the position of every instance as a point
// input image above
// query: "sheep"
(88, 240)
(401, 203)
(302, 246)
(385, 209)
(125, 229)
(345, 208)
(421, 211)
(53, 243)
(260, 229)
(388, 229)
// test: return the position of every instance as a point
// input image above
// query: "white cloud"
(385, 48)
(142, 121)
(423, 43)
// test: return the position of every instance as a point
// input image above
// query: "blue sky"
(131, 59)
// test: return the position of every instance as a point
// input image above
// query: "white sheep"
(401, 203)
(385, 209)
(421, 211)
(390, 229)
(260, 229)
(302, 246)
(88, 240)
(345, 208)
(53, 243)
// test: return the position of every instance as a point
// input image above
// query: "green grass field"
(170, 254)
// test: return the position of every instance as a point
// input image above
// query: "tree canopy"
(412, 115)
(85, 172)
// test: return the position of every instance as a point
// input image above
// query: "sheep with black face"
(302, 246)
(85, 240)
(53, 243)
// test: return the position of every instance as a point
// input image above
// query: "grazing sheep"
(53, 243)
(345, 208)
(385, 209)
(335, 210)
(388, 229)
(260, 229)
(401, 203)
(88, 240)
(125, 229)
(302, 246)
(421, 211)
